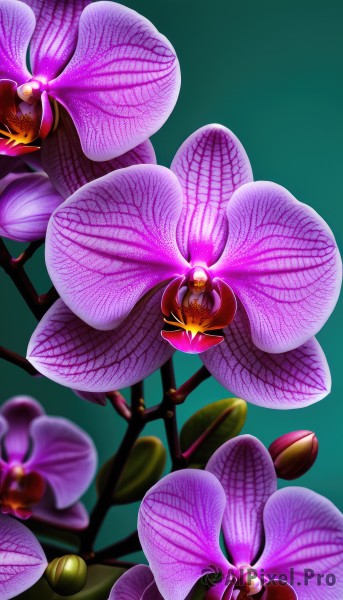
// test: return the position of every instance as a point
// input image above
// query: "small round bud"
(294, 454)
(67, 575)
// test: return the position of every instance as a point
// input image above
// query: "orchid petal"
(179, 527)
(73, 354)
(11, 149)
(22, 560)
(304, 531)
(74, 517)
(210, 165)
(94, 397)
(64, 455)
(69, 168)
(113, 241)
(47, 119)
(26, 205)
(283, 263)
(122, 82)
(245, 469)
(17, 23)
(55, 36)
(184, 341)
(136, 584)
(19, 412)
(5, 181)
(289, 380)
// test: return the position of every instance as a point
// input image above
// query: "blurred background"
(271, 72)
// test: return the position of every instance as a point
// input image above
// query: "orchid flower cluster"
(146, 261)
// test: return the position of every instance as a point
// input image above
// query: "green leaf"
(144, 467)
(210, 427)
(100, 581)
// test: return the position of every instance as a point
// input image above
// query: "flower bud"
(67, 575)
(294, 453)
(210, 427)
(27, 201)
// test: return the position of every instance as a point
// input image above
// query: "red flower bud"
(294, 453)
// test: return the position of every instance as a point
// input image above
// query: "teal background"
(272, 72)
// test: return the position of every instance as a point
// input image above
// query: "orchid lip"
(196, 308)
(25, 114)
(20, 491)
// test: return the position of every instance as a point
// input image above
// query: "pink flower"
(47, 464)
(199, 258)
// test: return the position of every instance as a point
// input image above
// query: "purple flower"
(22, 560)
(108, 66)
(238, 269)
(46, 465)
(291, 535)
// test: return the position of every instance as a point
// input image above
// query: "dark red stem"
(18, 360)
(38, 304)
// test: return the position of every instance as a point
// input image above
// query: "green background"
(272, 72)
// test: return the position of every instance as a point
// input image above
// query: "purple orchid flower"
(108, 66)
(287, 536)
(46, 465)
(22, 560)
(241, 271)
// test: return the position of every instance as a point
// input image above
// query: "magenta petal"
(136, 584)
(5, 181)
(179, 524)
(74, 517)
(69, 168)
(94, 397)
(122, 82)
(283, 263)
(26, 205)
(73, 354)
(64, 455)
(17, 23)
(55, 36)
(247, 474)
(47, 120)
(304, 531)
(210, 165)
(289, 380)
(184, 341)
(19, 412)
(7, 149)
(22, 560)
(113, 241)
